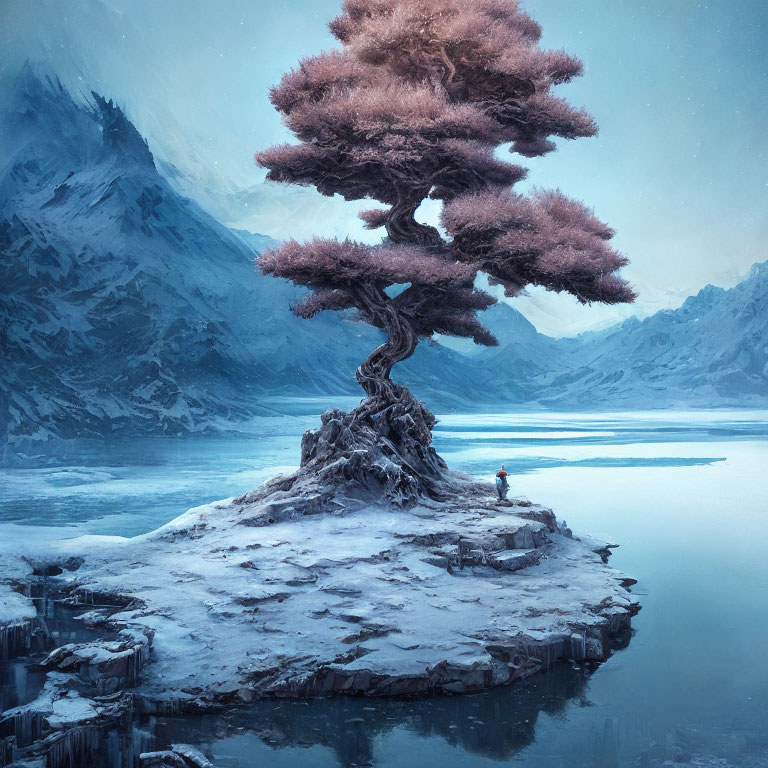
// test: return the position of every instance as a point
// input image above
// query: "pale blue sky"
(678, 87)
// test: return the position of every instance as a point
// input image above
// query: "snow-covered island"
(290, 591)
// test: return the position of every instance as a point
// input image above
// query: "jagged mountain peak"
(39, 113)
(60, 127)
(759, 271)
(703, 301)
(126, 307)
(34, 84)
(120, 134)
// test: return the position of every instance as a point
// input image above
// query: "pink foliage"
(423, 89)
(450, 311)
(345, 264)
(363, 114)
(483, 52)
(547, 239)
(373, 218)
(323, 299)
(317, 77)
(464, 326)
(414, 105)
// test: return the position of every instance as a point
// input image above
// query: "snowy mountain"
(124, 306)
(711, 352)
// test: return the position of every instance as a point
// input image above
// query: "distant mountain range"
(125, 308)
(711, 352)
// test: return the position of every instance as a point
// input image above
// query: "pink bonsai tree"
(413, 106)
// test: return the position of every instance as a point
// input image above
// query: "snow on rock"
(443, 597)
(15, 607)
(710, 352)
(124, 305)
(18, 620)
(179, 756)
(111, 666)
(21, 630)
(64, 723)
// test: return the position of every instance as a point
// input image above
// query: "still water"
(685, 494)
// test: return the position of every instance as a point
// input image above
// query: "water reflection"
(19, 683)
(495, 725)
(321, 732)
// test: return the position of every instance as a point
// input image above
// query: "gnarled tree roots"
(381, 449)
(382, 446)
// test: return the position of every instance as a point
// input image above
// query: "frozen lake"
(684, 494)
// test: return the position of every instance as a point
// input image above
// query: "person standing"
(502, 485)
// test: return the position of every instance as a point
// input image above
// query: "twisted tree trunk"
(402, 226)
(385, 444)
(373, 373)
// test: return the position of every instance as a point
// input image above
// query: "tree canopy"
(414, 106)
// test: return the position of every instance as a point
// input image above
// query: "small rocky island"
(371, 571)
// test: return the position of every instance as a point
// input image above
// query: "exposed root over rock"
(381, 450)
